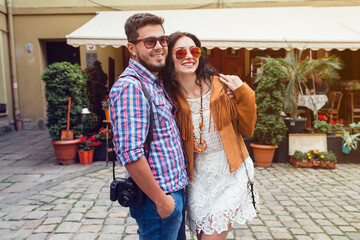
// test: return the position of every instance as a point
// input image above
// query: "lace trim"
(220, 222)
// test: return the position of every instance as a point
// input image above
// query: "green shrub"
(270, 129)
(64, 80)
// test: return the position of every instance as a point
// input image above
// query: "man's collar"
(142, 71)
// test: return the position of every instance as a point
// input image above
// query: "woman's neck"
(188, 86)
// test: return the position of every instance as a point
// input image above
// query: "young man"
(162, 175)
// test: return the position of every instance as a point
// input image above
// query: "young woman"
(217, 195)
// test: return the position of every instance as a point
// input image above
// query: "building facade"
(33, 35)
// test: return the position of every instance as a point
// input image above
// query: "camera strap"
(149, 137)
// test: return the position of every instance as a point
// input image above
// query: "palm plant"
(300, 70)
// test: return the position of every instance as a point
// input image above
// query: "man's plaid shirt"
(130, 112)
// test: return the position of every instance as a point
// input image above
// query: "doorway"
(60, 52)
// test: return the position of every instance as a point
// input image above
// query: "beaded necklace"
(200, 144)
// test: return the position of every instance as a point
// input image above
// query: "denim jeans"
(152, 226)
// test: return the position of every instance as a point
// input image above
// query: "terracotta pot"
(65, 151)
(263, 154)
(86, 157)
(107, 114)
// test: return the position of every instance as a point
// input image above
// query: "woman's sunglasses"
(181, 53)
(150, 42)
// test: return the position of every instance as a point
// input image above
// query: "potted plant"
(105, 107)
(270, 130)
(350, 141)
(96, 91)
(321, 125)
(299, 70)
(86, 149)
(64, 80)
(337, 127)
(355, 127)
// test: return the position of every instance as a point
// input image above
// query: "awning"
(262, 28)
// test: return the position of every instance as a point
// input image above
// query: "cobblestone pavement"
(40, 199)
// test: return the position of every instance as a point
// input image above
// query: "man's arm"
(140, 172)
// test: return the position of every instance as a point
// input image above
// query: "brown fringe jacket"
(223, 110)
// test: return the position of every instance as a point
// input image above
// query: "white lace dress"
(216, 197)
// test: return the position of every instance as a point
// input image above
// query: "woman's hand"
(232, 81)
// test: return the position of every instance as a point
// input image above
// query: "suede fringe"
(185, 123)
(223, 110)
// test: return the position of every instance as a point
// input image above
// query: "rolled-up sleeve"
(129, 114)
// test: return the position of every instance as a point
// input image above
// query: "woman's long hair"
(204, 70)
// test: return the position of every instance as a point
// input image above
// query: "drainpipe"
(220, 3)
(15, 90)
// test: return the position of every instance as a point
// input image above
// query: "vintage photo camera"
(126, 192)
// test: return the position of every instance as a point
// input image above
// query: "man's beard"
(152, 68)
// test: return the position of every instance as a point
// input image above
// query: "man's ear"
(131, 49)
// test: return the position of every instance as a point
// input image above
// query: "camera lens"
(126, 197)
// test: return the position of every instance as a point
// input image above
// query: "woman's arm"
(244, 102)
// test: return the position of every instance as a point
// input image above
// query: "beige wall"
(83, 6)
(32, 29)
(5, 83)
(103, 55)
(37, 21)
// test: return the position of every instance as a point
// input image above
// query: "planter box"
(311, 163)
(100, 152)
(335, 144)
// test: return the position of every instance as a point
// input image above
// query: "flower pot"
(86, 157)
(263, 154)
(295, 125)
(107, 114)
(337, 132)
(65, 151)
(345, 149)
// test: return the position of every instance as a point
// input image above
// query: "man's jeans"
(152, 226)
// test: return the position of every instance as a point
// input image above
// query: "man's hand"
(166, 206)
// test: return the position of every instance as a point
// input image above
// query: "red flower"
(333, 122)
(102, 128)
(321, 117)
(342, 120)
(92, 138)
(325, 118)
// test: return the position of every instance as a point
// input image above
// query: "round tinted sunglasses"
(150, 42)
(181, 53)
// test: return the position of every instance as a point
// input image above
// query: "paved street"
(40, 199)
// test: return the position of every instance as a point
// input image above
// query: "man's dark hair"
(138, 20)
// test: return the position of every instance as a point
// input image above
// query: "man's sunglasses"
(181, 53)
(150, 42)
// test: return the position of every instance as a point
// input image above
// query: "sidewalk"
(40, 199)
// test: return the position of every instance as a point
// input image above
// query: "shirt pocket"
(162, 109)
